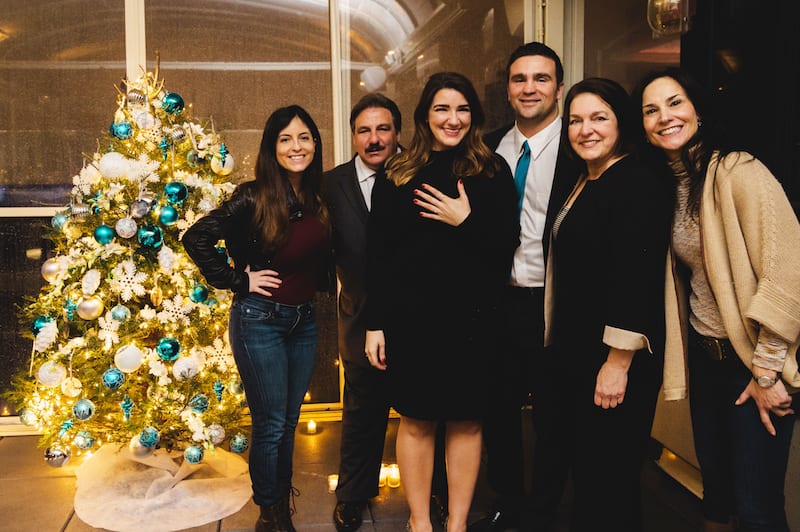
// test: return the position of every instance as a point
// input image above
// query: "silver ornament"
(177, 133)
(56, 455)
(126, 227)
(79, 210)
(216, 433)
(140, 208)
(136, 97)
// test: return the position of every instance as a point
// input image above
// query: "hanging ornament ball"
(121, 130)
(207, 205)
(83, 409)
(27, 417)
(176, 192)
(140, 208)
(104, 234)
(216, 433)
(83, 440)
(136, 97)
(90, 308)
(71, 387)
(193, 454)
(199, 403)
(177, 133)
(126, 227)
(235, 385)
(239, 443)
(168, 349)
(113, 378)
(172, 103)
(149, 437)
(192, 158)
(373, 78)
(137, 449)
(39, 323)
(121, 313)
(168, 215)
(150, 236)
(221, 168)
(50, 269)
(185, 368)
(59, 220)
(198, 293)
(56, 455)
(113, 165)
(51, 374)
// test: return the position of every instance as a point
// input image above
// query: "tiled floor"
(36, 497)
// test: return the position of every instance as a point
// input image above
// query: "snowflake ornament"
(219, 354)
(108, 330)
(126, 281)
(176, 310)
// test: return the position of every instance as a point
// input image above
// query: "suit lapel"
(352, 191)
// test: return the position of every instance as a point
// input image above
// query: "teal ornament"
(140, 208)
(211, 301)
(121, 130)
(199, 403)
(176, 192)
(126, 406)
(104, 234)
(83, 440)
(121, 313)
(168, 349)
(39, 323)
(59, 220)
(150, 236)
(239, 443)
(69, 307)
(218, 389)
(168, 215)
(164, 145)
(27, 417)
(56, 455)
(113, 378)
(223, 152)
(172, 103)
(65, 427)
(198, 293)
(83, 409)
(193, 454)
(149, 437)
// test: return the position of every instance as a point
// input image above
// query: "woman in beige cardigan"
(733, 306)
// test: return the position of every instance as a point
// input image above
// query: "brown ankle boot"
(286, 509)
(270, 519)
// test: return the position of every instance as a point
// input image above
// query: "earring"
(699, 122)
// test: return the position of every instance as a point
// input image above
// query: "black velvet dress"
(433, 288)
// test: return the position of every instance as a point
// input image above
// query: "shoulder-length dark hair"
(272, 194)
(696, 154)
(476, 157)
(617, 98)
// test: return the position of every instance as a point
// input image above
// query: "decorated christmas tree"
(129, 343)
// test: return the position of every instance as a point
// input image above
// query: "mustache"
(375, 147)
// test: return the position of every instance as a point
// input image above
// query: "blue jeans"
(743, 467)
(275, 347)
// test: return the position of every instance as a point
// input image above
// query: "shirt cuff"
(624, 339)
(770, 351)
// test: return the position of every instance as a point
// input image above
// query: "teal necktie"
(521, 173)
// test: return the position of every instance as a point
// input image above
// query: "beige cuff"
(624, 339)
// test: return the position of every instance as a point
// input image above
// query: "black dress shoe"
(347, 515)
(439, 507)
(496, 521)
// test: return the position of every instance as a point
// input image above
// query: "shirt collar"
(540, 140)
(363, 172)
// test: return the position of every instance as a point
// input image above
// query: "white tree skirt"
(118, 490)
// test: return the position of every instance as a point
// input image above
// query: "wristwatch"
(766, 381)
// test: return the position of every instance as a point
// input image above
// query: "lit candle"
(393, 480)
(333, 481)
(307, 397)
(311, 427)
(383, 475)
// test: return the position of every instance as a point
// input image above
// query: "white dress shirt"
(528, 268)
(366, 178)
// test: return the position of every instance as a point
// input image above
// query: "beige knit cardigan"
(751, 250)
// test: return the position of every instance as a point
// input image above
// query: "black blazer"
(348, 210)
(566, 175)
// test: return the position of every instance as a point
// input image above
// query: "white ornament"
(113, 165)
(71, 387)
(126, 227)
(144, 119)
(166, 259)
(216, 433)
(90, 282)
(51, 374)
(207, 204)
(221, 168)
(185, 368)
(126, 281)
(46, 336)
(128, 358)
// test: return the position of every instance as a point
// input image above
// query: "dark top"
(348, 210)
(433, 288)
(609, 256)
(301, 262)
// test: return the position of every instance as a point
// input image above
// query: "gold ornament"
(50, 270)
(221, 168)
(90, 308)
(156, 296)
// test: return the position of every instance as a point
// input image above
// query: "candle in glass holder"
(393, 479)
(383, 475)
(311, 427)
(333, 481)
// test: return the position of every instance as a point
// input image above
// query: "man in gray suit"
(375, 122)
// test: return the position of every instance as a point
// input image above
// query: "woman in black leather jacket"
(277, 233)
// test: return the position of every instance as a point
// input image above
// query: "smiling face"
(449, 118)
(295, 147)
(593, 132)
(533, 92)
(374, 136)
(668, 115)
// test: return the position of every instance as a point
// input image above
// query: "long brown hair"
(477, 158)
(272, 188)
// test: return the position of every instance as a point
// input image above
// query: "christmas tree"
(129, 344)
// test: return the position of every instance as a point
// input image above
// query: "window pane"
(59, 62)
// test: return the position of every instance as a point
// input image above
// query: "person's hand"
(774, 399)
(612, 379)
(441, 207)
(261, 280)
(375, 349)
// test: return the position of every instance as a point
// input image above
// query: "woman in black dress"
(604, 305)
(440, 239)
